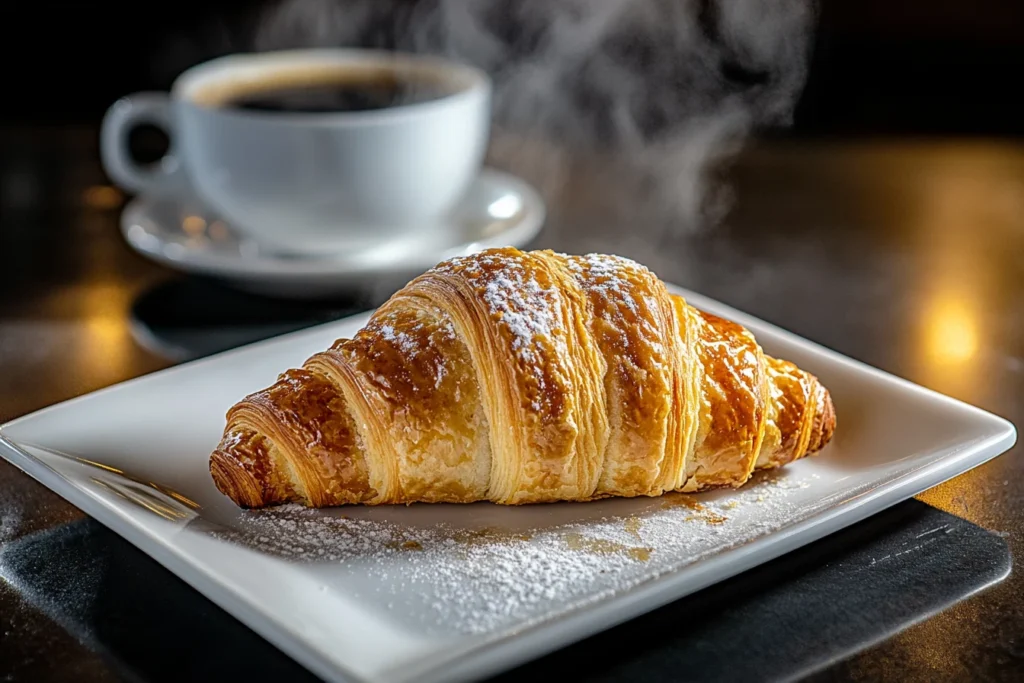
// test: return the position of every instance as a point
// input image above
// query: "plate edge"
(222, 595)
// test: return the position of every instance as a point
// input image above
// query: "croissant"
(523, 377)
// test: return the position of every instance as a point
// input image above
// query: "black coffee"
(366, 95)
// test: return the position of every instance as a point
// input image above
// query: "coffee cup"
(312, 151)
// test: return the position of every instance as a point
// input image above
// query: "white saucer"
(180, 232)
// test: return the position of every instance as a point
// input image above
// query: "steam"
(619, 111)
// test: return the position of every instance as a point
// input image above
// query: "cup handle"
(152, 108)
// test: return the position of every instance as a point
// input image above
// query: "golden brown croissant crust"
(523, 377)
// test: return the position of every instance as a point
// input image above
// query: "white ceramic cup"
(309, 183)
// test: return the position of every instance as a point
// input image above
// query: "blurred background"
(914, 67)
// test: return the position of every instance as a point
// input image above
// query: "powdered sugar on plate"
(486, 579)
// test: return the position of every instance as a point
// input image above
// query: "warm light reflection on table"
(961, 214)
(951, 331)
(107, 341)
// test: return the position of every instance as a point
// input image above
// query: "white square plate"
(430, 593)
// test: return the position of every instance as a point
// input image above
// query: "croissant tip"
(234, 481)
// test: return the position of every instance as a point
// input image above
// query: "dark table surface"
(884, 250)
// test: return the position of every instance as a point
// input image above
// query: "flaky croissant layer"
(523, 377)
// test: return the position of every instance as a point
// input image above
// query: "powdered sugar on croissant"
(523, 377)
